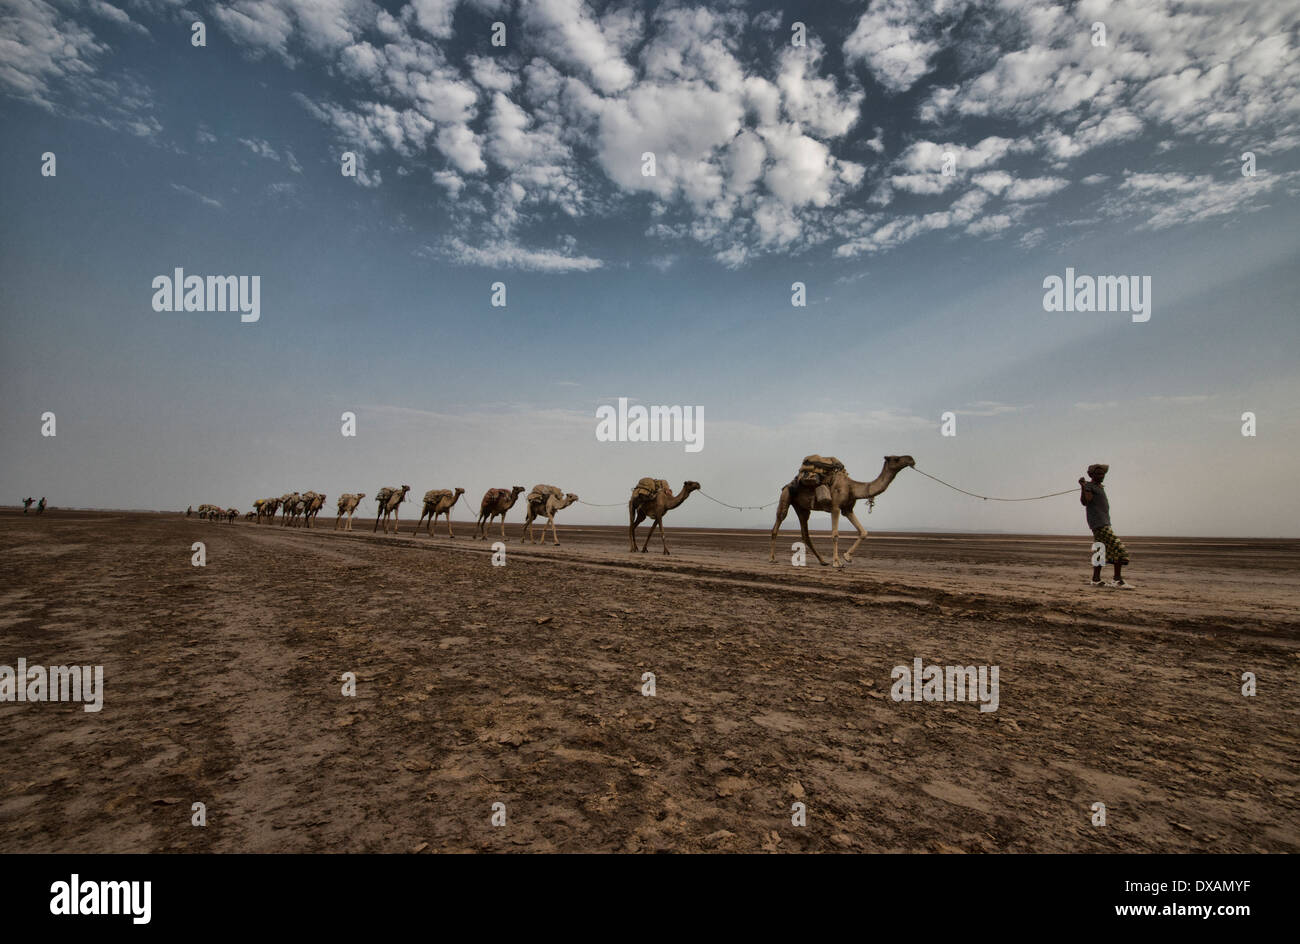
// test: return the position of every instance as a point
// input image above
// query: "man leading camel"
(1092, 495)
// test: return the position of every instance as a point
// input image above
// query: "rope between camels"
(738, 507)
(702, 492)
(1068, 491)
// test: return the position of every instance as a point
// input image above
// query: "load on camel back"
(816, 473)
(542, 493)
(383, 495)
(647, 488)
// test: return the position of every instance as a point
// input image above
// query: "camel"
(544, 501)
(438, 501)
(653, 504)
(844, 494)
(287, 503)
(250, 516)
(269, 507)
(496, 501)
(292, 509)
(313, 502)
(231, 514)
(389, 499)
(348, 506)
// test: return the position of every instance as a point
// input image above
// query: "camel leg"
(634, 517)
(661, 535)
(338, 520)
(803, 529)
(835, 538)
(782, 509)
(658, 523)
(862, 533)
(377, 517)
(554, 537)
(503, 525)
(526, 532)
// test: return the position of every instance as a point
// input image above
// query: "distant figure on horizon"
(1092, 495)
(27, 503)
(189, 511)
(41, 507)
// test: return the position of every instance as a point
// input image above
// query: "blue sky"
(775, 164)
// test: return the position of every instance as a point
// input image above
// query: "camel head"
(570, 498)
(899, 463)
(359, 495)
(516, 492)
(688, 487)
(459, 492)
(405, 489)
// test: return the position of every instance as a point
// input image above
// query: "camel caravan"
(214, 513)
(822, 483)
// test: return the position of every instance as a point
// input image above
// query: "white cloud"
(514, 256)
(895, 39)
(1036, 188)
(194, 194)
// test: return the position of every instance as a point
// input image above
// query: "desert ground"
(522, 685)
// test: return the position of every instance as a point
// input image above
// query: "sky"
(775, 163)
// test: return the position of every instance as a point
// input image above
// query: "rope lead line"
(738, 507)
(1068, 491)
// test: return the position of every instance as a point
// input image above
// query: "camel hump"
(383, 495)
(437, 494)
(493, 495)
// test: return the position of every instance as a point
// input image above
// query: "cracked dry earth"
(522, 685)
